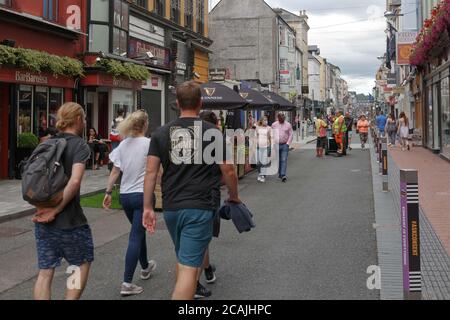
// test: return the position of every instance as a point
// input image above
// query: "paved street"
(313, 240)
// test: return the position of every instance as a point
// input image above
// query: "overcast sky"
(349, 33)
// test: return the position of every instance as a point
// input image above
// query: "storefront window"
(40, 111)
(25, 101)
(5, 3)
(122, 99)
(56, 100)
(437, 143)
(445, 116)
(430, 122)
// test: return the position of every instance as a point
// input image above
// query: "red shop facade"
(29, 100)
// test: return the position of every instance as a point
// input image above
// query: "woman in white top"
(130, 158)
(263, 139)
(403, 130)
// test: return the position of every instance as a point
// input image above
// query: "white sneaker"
(130, 289)
(263, 179)
(146, 274)
(260, 178)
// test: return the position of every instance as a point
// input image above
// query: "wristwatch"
(108, 193)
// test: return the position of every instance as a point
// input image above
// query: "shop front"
(103, 96)
(28, 105)
(437, 115)
(152, 100)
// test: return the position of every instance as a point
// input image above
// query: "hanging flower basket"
(433, 39)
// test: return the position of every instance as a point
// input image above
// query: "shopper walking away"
(133, 129)
(391, 129)
(403, 131)
(285, 136)
(348, 133)
(380, 121)
(62, 231)
(363, 129)
(339, 129)
(264, 141)
(186, 187)
(321, 132)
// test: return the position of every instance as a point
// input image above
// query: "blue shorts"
(191, 232)
(74, 245)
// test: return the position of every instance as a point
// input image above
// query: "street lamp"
(392, 14)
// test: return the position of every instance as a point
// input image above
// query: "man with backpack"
(61, 227)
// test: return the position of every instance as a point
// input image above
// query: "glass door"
(445, 117)
(40, 123)
(25, 103)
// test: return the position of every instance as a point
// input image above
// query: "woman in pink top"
(264, 140)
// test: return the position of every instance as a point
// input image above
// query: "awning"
(281, 103)
(256, 101)
(216, 96)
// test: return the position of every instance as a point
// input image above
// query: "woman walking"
(130, 157)
(263, 139)
(403, 131)
(391, 129)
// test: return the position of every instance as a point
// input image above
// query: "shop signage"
(217, 74)
(405, 41)
(31, 78)
(26, 77)
(139, 48)
(104, 80)
(155, 82)
(181, 68)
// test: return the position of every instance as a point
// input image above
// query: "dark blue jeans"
(284, 152)
(133, 205)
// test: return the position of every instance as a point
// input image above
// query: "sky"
(349, 33)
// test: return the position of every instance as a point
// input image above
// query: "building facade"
(108, 55)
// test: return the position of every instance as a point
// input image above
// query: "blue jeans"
(284, 152)
(133, 204)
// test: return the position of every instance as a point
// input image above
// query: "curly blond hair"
(134, 124)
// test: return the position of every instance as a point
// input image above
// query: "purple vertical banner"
(404, 229)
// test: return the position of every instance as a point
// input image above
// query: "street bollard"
(384, 164)
(409, 202)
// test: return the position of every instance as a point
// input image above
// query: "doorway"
(151, 103)
(103, 115)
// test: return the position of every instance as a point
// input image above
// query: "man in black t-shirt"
(62, 231)
(188, 184)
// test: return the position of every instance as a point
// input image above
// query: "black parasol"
(256, 101)
(281, 103)
(216, 96)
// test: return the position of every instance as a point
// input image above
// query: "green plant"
(27, 140)
(118, 69)
(39, 61)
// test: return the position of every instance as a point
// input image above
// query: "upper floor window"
(175, 10)
(141, 3)
(200, 16)
(121, 14)
(189, 13)
(5, 3)
(160, 7)
(50, 11)
(120, 30)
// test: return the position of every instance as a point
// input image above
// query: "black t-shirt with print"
(77, 151)
(186, 182)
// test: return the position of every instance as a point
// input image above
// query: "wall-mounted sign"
(155, 82)
(217, 74)
(405, 41)
(139, 48)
